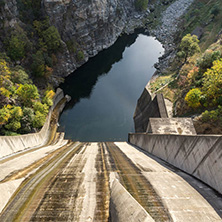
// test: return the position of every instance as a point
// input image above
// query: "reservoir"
(105, 90)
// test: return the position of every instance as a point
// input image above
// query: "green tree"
(188, 47)
(20, 76)
(193, 98)
(38, 64)
(42, 108)
(16, 49)
(141, 5)
(27, 93)
(39, 120)
(52, 38)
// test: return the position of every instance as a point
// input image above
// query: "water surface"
(105, 90)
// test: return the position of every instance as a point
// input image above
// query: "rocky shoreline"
(165, 33)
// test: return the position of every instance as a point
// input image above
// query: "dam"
(156, 174)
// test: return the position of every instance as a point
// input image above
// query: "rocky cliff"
(86, 27)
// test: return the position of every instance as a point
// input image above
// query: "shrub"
(39, 120)
(80, 55)
(141, 5)
(20, 76)
(52, 38)
(193, 98)
(206, 61)
(27, 93)
(212, 81)
(42, 108)
(38, 64)
(16, 48)
(212, 116)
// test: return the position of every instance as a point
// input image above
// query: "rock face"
(87, 27)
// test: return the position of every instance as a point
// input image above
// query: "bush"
(193, 98)
(27, 93)
(141, 5)
(20, 76)
(214, 116)
(206, 61)
(42, 108)
(212, 81)
(38, 64)
(39, 120)
(52, 38)
(80, 55)
(16, 49)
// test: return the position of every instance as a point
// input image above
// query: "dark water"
(105, 90)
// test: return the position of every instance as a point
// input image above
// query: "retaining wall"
(198, 155)
(12, 144)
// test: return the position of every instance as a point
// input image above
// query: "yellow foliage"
(5, 92)
(50, 94)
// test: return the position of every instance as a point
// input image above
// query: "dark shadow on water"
(80, 83)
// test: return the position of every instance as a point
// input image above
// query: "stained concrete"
(147, 108)
(183, 202)
(124, 207)
(200, 156)
(75, 187)
(180, 126)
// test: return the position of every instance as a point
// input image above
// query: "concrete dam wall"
(198, 155)
(147, 108)
(12, 144)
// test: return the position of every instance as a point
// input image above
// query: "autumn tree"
(27, 94)
(212, 82)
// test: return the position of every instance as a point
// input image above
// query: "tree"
(27, 93)
(141, 5)
(52, 38)
(38, 64)
(212, 81)
(16, 49)
(193, 98)
(188, 47)
(39, 120)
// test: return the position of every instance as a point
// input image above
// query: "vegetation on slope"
(194, 80)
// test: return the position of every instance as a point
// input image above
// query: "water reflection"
(105, 90)
(80, 84)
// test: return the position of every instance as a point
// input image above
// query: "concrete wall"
(200, 155)
(147, 108)
(12, 144)
(180, 126)
(123, 207)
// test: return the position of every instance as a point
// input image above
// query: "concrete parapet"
(12, 144)
(123, 207)
(198, 155)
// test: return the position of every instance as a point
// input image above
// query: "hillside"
(194, 86)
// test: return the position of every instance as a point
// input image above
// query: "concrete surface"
(124, 207)
(147, 108)
(183, 202)
(180, 126)
(200, 156)
(72, 184)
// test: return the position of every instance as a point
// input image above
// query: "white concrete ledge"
(123, 207)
